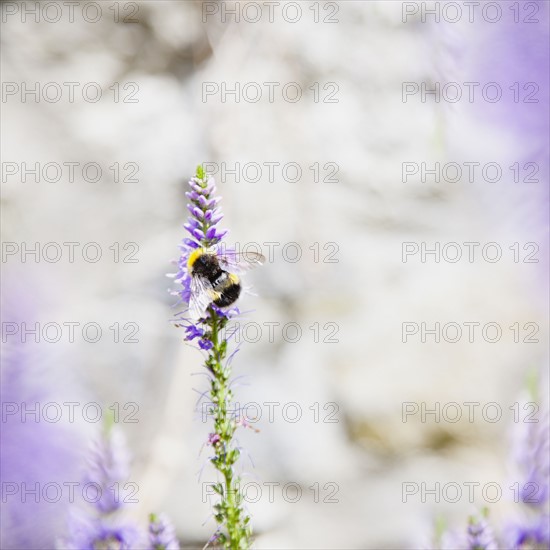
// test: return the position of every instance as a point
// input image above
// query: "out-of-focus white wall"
(368, 212)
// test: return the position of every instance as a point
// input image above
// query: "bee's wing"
(237, 262)
(201, 297)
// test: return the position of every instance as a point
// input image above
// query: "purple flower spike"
(234, 530)
(108, 464)
(533, 456)
(202, 227)
(480, 535)
(162, 535)
(530, 526)
(102, 528)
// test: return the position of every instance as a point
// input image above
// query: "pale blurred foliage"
(369, 293)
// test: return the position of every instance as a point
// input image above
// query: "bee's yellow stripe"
(194, 256)
(233, 278)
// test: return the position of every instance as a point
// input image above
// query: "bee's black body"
(229, 291)
(207, 266)
(226, 286)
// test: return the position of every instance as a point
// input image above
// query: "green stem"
(229, 513)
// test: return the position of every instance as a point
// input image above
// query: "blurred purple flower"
(98, 528)
(162, 535)
(480, 535)
(100, 534)
(530, 528)
(37, 458)
(517, 52)
(477, 536)
(533, 459)
(108, 465)
(514, 54)
(528, 534)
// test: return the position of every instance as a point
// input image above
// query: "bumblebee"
(214, 279)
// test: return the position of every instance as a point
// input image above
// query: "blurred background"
(162, 68)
